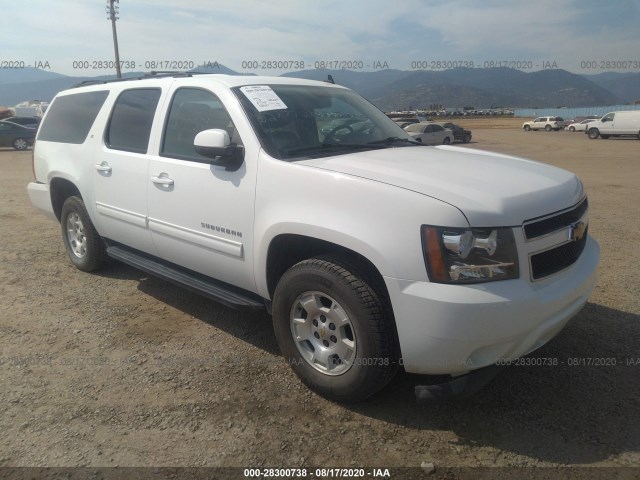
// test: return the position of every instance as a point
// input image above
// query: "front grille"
(552, 261)
(551, 224)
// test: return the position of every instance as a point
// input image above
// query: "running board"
(221, 292)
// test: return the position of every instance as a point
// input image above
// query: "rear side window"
(70, 117)
(131, 120)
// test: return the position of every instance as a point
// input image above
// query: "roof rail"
(151, 74)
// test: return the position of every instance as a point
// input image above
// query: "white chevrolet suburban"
(370, 250)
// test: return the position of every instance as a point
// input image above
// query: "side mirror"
(216, 145)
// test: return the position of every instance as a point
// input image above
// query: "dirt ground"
(118, 368)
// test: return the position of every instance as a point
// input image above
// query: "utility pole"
(112, 12)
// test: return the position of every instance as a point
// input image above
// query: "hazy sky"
(578, 35)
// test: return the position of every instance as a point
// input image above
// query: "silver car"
(430, 133)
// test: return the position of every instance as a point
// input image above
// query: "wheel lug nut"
(332, 326)
(325, 343)
(316, 334)
(323, 318)
(334, 339)
(315, 322)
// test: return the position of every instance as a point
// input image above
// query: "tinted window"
(608, 117)
(70, 117)
(131, 119)
(437, 128)
(192, 111)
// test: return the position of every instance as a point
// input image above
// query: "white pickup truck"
(371, 251)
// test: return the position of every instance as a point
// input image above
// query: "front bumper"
(454, 329)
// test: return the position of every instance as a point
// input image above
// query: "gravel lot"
(117, 368)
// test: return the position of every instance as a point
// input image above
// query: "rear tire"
(84, 246)
(446, 141)
(527, 127)
(572, 129)
(467, 138)
(593, 133)
(547, 128)
(334, 330)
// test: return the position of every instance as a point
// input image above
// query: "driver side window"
(192, 111)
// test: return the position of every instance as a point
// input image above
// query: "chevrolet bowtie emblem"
(576, 231)
(322, 332)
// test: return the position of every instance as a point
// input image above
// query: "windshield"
(299, 121)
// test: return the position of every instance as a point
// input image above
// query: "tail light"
(33, 159)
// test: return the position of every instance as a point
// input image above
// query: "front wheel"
(593, 133)
(527, 127)
(467, 138)
(333, 329)
(20, 144)
(572, 129)
(547, 128)
(84, 246)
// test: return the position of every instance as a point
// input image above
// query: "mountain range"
(399, 89)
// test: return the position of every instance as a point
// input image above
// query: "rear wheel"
(547, 128)
(333, 329)
(527, 127)
(446, 141)
(467, 138)
(593, 133)
(572, 129)
(84, 246)
(20, 144)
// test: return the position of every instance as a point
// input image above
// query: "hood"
(490, 189)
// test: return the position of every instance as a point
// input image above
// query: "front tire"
(81, 240)
(467, 138)
(547, 128)
(593, 133)
(334, 330)
(527, 127)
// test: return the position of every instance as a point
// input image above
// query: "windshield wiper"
(325, 146)
(390, 140)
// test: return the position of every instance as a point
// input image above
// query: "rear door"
(121, 169)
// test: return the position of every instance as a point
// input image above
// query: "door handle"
(163, 180)
(103, 167)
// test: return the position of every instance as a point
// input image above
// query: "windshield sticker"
(263, 98)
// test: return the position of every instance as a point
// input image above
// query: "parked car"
(615, 124)
(544, 123)
(370, 250)
(430, 133)
(16, 136)
(459, 134)
(25, 121)
(579, 126)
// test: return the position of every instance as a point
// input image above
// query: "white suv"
(371, 250)
(544, 123)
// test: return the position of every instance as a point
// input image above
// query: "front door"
(201, 215)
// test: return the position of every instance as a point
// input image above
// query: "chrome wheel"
(323, 333)
(76, 235)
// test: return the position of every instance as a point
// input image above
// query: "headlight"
(469, 255)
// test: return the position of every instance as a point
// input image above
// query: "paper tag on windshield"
(263, 98)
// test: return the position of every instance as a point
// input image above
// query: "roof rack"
(151, 74)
